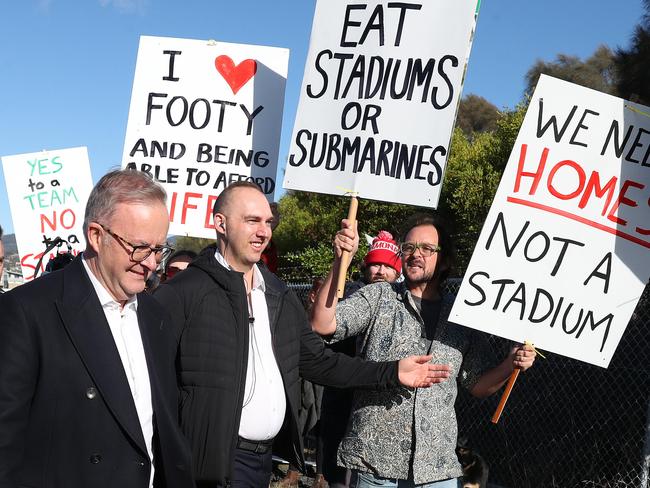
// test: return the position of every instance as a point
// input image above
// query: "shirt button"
(91, 393)
(95, 459)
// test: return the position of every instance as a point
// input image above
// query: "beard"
(378, 278)
(422, 276)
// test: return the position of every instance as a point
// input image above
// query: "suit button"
(95, 459)
(91, 393)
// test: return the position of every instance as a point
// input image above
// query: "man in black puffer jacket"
(244, 339)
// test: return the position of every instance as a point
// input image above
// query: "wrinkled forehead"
(422, 233)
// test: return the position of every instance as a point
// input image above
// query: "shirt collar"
(105, 298)
(258, 278)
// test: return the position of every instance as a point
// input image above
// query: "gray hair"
(121, 186)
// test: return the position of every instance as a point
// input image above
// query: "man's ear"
(219, 223)
(93, 236)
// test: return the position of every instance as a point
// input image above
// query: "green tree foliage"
(310, 220)
(633, 64)
(316, 261)
(597, 72)
(195, 244)
(476, 114)
(473, 173)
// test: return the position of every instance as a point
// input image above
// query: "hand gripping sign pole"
(345, 258)
(506, 393)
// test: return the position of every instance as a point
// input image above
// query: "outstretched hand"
(418, 372)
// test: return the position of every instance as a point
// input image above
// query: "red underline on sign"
(582, 220)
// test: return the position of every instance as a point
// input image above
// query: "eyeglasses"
(426, 250)
(141, 252)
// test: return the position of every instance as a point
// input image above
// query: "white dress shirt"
(123, 322)
(264, 399)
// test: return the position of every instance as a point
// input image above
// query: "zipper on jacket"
(239, 405)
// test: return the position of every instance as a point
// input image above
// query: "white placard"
(564, 254)
(47, 193)
(379, 97)
(204, 114)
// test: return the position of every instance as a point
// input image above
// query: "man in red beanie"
(382, 263)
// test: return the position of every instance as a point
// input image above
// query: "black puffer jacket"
(209, 309)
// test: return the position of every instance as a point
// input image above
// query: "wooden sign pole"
(504, 397)
(509, 386)
(346, 258)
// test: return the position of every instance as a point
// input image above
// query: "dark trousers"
(335, 412)
(252, 470)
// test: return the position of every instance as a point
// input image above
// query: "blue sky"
(66, 66)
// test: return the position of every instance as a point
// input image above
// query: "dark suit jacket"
(67, 417)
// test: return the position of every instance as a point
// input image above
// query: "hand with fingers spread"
(418, 372)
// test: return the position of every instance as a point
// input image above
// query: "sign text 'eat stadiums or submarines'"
(204, 114)
(564, 254)
(379, 97)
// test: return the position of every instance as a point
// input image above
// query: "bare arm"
(323, 319)
(520, 357)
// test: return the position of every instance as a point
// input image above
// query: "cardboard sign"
(379, 97)
(204, 114)
(47, 194)
(564, 253)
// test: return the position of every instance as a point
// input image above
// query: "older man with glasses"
(88, 393)
(401, 437)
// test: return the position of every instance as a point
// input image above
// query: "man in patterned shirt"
(403, 437)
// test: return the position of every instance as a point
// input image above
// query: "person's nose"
(263, 230)
(151, 263)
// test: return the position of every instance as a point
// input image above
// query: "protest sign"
(47, 194)
(379, 97)
(204, 114)
(564, 253)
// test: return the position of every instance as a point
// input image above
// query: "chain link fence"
(567, 424)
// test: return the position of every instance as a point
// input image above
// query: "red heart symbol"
(235, 76)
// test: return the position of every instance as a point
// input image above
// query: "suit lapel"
(151, 324)
(86, 324)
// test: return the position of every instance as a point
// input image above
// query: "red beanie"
(384, 250)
